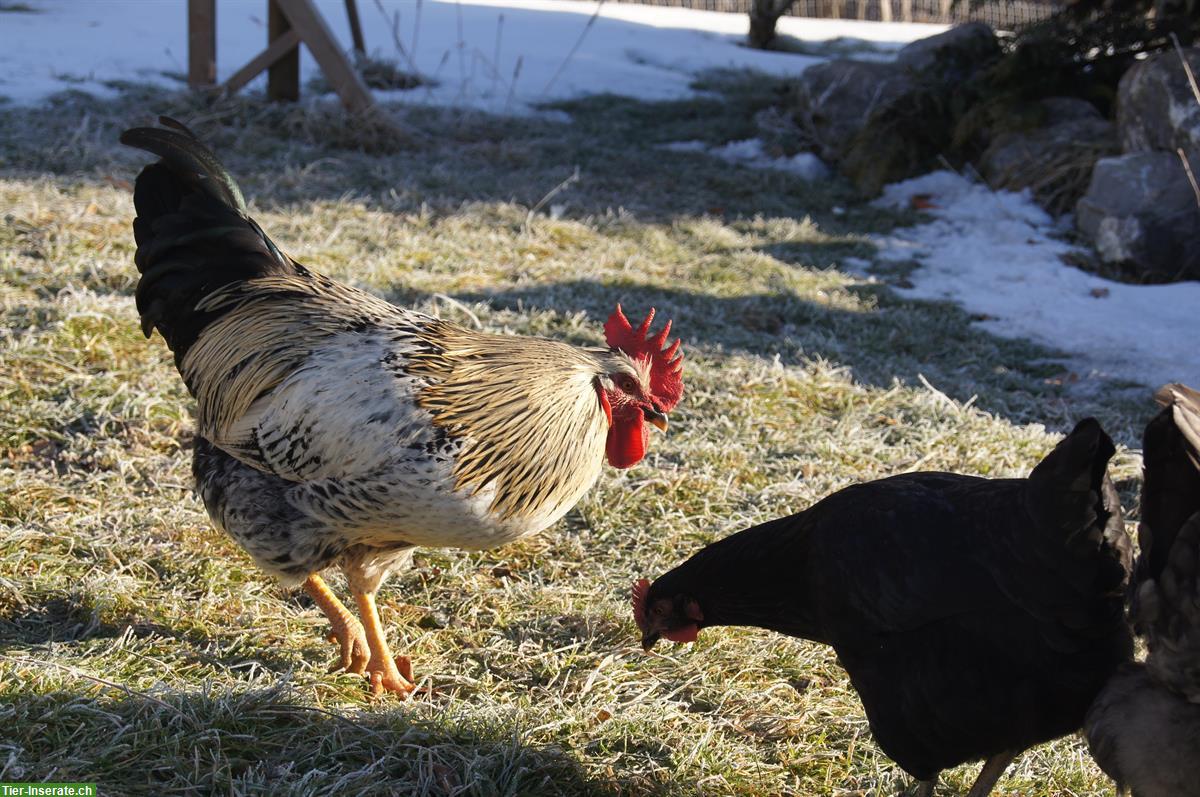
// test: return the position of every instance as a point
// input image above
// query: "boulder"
(1054, 162)
(1156, 108)
(834, 100)
(950, 56)
(1141, 213)
(1067, 109)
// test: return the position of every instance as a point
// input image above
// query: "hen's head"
(663, 613)
(640, 387)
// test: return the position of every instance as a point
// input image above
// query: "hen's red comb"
(666, 365)
(640, 588)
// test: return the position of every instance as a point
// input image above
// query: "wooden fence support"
(202, 43)
(290, 23)
(283, 67)
(356, 34)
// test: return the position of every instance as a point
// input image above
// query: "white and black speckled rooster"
(335, 428)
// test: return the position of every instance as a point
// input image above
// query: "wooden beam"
(275, 50)
(202, 43)
(283, 71)
(356, 34)
(321, 43)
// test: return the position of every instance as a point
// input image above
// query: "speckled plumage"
(1144, 727)
(334, 427)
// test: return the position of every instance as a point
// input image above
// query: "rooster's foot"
(347, 631)
(391, 675)
(352, 639)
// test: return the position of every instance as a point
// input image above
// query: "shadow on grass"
(71, 620)
(263, 742)
(892, 340)
(291, 153)
(283, 154)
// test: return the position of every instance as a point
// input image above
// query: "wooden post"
(291, 23)
(885, 10)
(320, 41)
(283, 76)
(360, 46)
(202, 43)
(906, 10)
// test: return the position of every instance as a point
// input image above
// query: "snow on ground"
(996, 253)
(750, 153)
(497, 55)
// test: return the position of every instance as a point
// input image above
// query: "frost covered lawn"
(140, 649)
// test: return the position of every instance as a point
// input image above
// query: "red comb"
(640, 588)
(666, 365)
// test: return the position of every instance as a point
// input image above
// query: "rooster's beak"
(648, 640)
(656, 418)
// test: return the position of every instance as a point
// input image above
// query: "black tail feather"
(182, 151)
(1070, 490)
(193, 233)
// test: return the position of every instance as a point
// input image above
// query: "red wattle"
(626, 439)
(688, 633)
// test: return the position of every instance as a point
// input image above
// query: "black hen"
(975, 617)
(1144, 728)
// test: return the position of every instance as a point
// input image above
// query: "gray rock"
(1054, 162)
(834, 100)
(951, 55)
(1068, 109)
(1140, 212)
(1156, 108)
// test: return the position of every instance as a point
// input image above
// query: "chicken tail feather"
(193, 234)
(1070, 492)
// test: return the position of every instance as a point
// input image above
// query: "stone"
(951, 56)
(1067, 109)
(1156, 109)
(1141, 213)
(1054, 162)
(834, 100)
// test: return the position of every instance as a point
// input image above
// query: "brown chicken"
(1144, 727)
(335, 428)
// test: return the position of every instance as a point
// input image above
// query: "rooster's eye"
(627, 384)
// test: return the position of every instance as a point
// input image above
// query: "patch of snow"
(496, 55)
(750, 153)
(686, 146)
(996, 254)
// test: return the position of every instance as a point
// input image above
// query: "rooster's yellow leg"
(347, 631)
(386, 672)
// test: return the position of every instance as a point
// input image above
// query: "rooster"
(333, 428)
(1144, 728)
(975, 617)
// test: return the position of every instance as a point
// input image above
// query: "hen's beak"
(656, 418)
(648, 640)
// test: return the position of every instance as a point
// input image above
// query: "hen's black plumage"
(1144, 727)
(975, 617)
